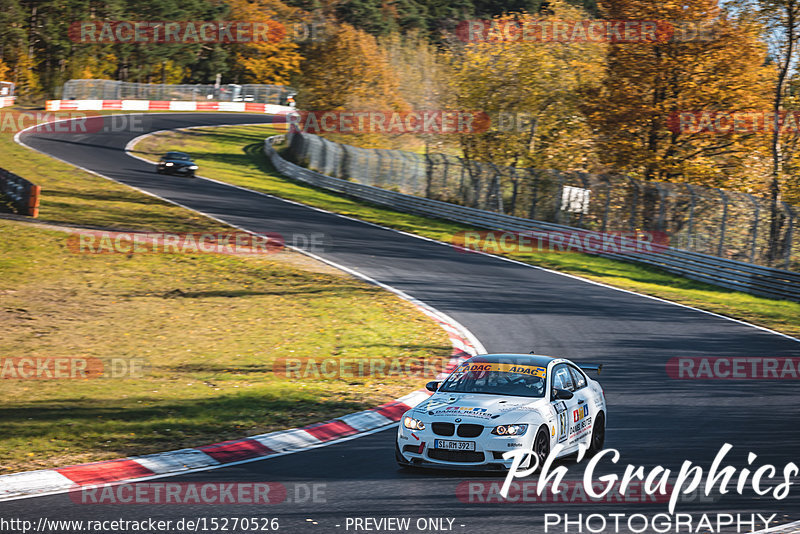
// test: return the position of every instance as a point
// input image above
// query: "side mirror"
(562, 394)
(432, 386)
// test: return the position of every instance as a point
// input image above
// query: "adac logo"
(579, 414)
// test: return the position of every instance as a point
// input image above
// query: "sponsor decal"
(579, 429)
(562, 427)
(541, 372)
(579, 414)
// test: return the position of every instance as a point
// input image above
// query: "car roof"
(516, 359)
(174, 154)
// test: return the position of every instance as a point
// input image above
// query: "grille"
(411, 448)
(443, 429)
(469, 431)
(455, 456)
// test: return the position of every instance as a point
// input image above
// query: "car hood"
(182, 162)
(470, 407)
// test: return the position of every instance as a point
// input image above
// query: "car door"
(582, 416)
(566, 410)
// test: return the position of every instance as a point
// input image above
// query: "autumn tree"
(704, 61)
(781, 22)
(350, 71)
(275, 60)
(530, 90)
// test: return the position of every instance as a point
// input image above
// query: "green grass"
(233, 154)
(210, 326)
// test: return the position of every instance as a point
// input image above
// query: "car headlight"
(193, 167)
(169, 164)
(510, 430)
(413, 424)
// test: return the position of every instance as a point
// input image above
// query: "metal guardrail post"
(608, 203)
(634, 202)
(789, 235)
(756, 215)
(721, 245)
(534, 193)
(690, 241)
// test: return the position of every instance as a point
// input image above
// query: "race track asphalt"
(653, 419)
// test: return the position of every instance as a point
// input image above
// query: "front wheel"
(598, 434)
(541, 446)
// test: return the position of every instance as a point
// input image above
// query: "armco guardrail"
(739, 276)
(22, 194)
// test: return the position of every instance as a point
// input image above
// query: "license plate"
(454, 445)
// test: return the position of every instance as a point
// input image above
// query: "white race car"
(495, 403)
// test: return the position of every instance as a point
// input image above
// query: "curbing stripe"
(289, 440)
(366, 420)
(33, 482)
(237, 450)
(100, 472)
(164, 105)
(330, 430)
(393, 410)
(176, 461)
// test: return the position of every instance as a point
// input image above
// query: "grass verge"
(210, 327)
(233, 154)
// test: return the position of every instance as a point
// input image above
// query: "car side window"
(578, 378)
(562, 378)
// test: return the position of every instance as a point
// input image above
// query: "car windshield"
(178, 155)
(497, 379)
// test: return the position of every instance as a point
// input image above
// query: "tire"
(541, 445)
(598, 438)
(401, 462)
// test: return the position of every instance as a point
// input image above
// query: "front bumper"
(175, 170)
(416, 448)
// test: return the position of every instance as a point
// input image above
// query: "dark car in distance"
(176, 163)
